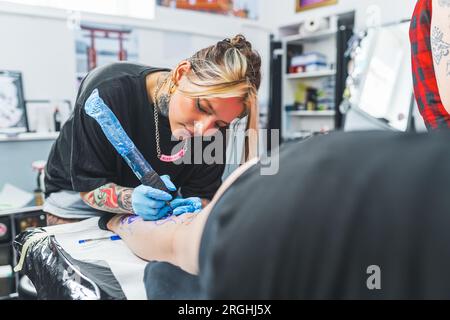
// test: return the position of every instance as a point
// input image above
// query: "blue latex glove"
(181, 205)
(151, 203)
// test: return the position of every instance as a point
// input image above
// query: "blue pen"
(113, 238)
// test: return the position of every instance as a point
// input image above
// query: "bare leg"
(176, 239)
(150, 240)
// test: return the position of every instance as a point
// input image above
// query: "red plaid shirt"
(425, 85)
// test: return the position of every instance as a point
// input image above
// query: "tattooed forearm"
(439, 47)
(110, 198)
(124, 199)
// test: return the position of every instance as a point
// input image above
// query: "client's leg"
(175, 239)
(150, 240)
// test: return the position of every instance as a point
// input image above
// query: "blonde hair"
(230, 68)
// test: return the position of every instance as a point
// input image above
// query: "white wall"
(37, 42)
(276, 13)
(43, 50)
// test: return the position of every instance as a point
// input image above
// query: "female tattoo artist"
(160, 110)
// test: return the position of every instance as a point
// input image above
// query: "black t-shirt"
(82, 159)
(340, 204)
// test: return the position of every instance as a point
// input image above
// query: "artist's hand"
(151, 203)
(181, 205)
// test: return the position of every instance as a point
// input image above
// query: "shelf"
(29, 136)
(298, 135)
(303, 123)
(306, 113)
(8, 212)
(320, 35)
(311, 74)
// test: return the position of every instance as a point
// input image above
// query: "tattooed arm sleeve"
(110, 198)
(440, 46)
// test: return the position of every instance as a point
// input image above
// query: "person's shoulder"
(115, 71)
(112, 76)
(124, 68)
(116, 75)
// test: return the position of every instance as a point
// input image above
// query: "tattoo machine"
(96, 108)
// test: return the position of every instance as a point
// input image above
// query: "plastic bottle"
(57, 119)
(38, 194)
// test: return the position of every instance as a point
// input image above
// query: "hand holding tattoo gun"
(153, 204)
(151, 199)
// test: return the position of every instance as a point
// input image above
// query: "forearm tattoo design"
(111, 198)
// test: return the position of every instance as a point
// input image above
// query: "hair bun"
(254, 60)
(240, 42)
(215, 54)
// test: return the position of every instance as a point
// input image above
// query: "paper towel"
(313, 25)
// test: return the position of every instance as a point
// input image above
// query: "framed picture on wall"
(13, 115)
(303, 5)
(247, 9)
(47, 115)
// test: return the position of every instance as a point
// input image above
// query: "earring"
(172, 87)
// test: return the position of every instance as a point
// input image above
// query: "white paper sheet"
(126, 267)
(12, 197)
